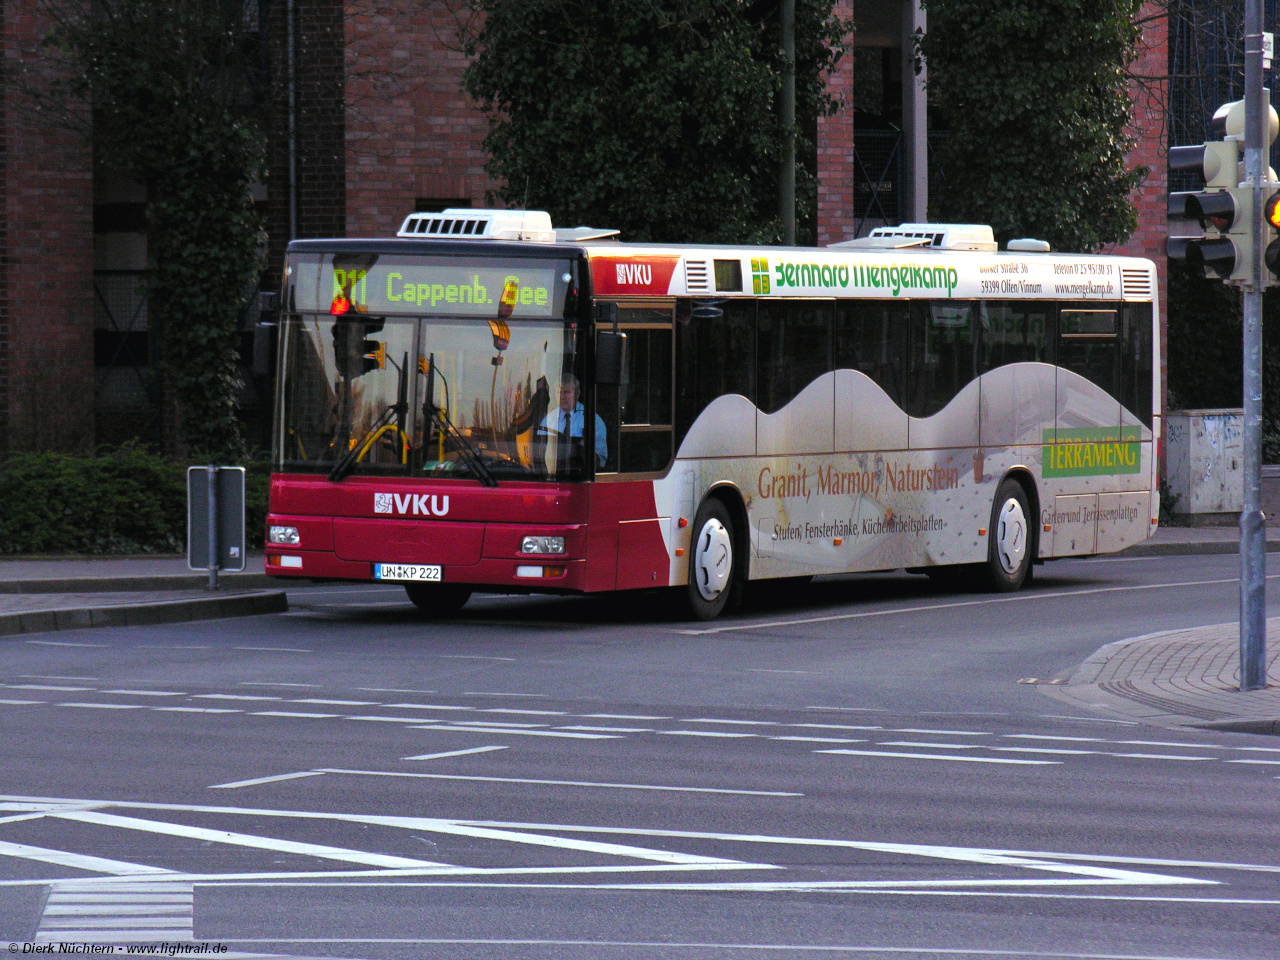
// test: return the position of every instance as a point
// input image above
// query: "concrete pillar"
(914, 200)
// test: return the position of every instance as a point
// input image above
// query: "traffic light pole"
(1253, 563)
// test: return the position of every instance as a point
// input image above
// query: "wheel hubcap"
(1011, 536)
(712, 559)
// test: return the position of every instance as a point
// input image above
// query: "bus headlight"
(542, 545)
(286, 535)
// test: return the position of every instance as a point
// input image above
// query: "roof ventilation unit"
(466, 224)
(933, 236)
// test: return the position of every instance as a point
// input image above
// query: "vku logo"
(634, 274)
(415, 504)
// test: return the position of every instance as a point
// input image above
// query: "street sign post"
(215, 520)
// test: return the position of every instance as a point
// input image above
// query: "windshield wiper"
(466, 451)
(399, 410)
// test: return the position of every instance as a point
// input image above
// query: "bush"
(125, 501)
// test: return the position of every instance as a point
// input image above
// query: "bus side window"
(644, 437)
(871, 337)
(1015, 332)
(1089, 344)
(793, 348)
(943, 354)
(1135, 369)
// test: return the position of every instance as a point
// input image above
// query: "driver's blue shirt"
(570, 423)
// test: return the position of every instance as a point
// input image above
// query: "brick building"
(376, 127)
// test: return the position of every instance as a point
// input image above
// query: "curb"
(182, 581)
(1202, 548)
(145, 614)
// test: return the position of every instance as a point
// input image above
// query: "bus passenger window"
(1088, 345)
(871, 337)
(644, 438)
(793, 348)
(1135, 367)
(1015, 332)
(943, 354)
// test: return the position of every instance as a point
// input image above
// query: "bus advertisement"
(486, 403)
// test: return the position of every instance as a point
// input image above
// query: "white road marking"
(423, 706)
(565, 783)
(293, 713)
(340, 703)
(831, 726)
(1041, 736)
(742, 723)
(198, 709)
(453, 753)
(109, 898)
(99, 909)
(938, 756)
(64, 643)
(19, 703)
(532, 713)
(131, 914)
(76, 861)
(522, 733)
(1166, 743)
(702, 733)
(404, 720)
(606, 729)
(45, 686)
(1156, 756)
(619, 716)
(236, 784)
(503, 724)
(276, 649)
(146, 693)
(1259, 749)
(392, 690)
(106, 706)
(949, 733)
(463, 656)
(230, 696)
(1272, 763)
(931, 746)
(924, 608)
(1042, 750)
(272, 683)
(819, 739)
(504, 693)
(323, 851)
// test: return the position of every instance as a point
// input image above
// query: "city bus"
(485, 402)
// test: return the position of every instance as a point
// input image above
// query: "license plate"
(406, 571)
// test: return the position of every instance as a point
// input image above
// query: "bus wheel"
(711, 561)
(438, 599)
(1009, 539)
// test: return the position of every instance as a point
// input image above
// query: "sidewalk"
(69, 593)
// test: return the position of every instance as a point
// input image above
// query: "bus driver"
(567, 421)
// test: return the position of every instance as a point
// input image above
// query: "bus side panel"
(625, 543)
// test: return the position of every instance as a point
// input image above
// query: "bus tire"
(712, 564)
(1009, 539)
(438, 599)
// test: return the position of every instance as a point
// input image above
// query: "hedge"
(124, 501)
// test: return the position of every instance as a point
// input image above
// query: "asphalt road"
(848, 769)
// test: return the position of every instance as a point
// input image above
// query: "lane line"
(565, 783)
(41, 676)
(950, 733)
(19, 703)
(820, 739)
(276, 649)
(584, 727)
(453, 753)
(340, 703)
(463, 656)
(64, 643)
(198, 709)
(46, 686)
(939, 756)
(504, 693)
(78, 861)
(322, 851)
(522, 733)
(146, 693)
(531, 713)
(393, 690)
(742, 723)
(231, 696)
(703, 733)
(106, 706)
(423, 706)
(619, 716)
(924, 608)
(237, 784)
(293, 713)
(273, 683)
(1156, 756)
(930, 746)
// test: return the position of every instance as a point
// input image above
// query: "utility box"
(1204, 461)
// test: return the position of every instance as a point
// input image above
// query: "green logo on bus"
(1092, 451)
(759, 275)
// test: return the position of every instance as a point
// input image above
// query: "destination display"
(385, 285)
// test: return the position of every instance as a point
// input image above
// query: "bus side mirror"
(611, 358)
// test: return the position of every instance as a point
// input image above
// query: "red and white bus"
(486, 403)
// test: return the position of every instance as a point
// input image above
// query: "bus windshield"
(434, 396)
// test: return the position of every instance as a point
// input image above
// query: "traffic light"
(1271, 217)
(1224, 209)
(355, 354)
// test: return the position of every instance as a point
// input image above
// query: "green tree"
(171, 83)
(657, 117)
(1035, 98)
